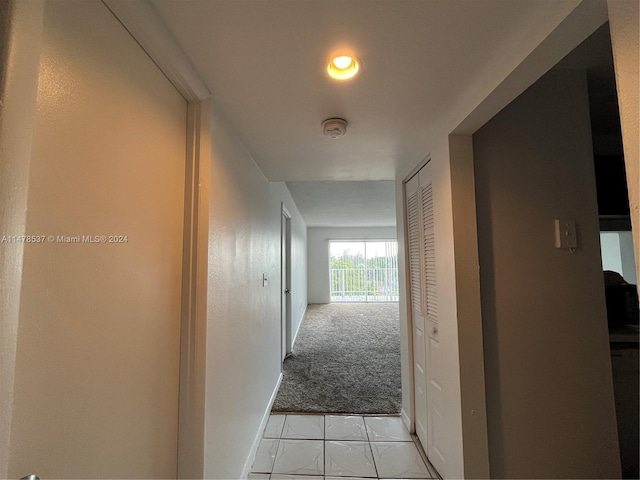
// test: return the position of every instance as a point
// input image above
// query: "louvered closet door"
(414, 223)
(436, 430)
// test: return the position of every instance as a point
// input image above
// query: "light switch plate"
(566, 236)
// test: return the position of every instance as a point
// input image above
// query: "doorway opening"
(285, 283)
(616, 243)
(347, 352)
(363, 270)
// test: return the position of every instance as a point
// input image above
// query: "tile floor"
(346, 447)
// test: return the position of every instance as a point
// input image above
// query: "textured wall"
(625, 38)
(550, 403)
(243, 316)
(98, 337)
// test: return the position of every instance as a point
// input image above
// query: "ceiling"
(372, 201)
(264, 62)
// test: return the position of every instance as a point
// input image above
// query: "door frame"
(285, 282)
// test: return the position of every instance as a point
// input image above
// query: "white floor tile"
(347, 478)
(399, 460)
(309, 427)
(346, 427)
(300, 457)
(348, 459)
(265, 456)
(386, 429)
(283, 476)
(274, 426)
(258, 476)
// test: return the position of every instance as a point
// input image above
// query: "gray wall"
(318, 254)
(550, 400)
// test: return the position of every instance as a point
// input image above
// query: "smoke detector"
(334, 127)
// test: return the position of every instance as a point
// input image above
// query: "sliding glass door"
(363, 270)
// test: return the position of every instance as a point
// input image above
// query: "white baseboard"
(256, 442)
(406, 420)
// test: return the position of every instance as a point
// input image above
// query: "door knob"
(286, 290)
(31, 476)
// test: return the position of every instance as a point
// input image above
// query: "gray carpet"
(346, 359)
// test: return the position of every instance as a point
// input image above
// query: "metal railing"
(364, 284)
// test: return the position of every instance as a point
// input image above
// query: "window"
(617, 254)
(363, 270)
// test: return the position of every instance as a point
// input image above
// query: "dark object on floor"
(346, 359)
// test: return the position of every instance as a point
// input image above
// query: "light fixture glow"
(343, 67)
(342, 62)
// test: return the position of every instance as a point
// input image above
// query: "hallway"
(183, 132)
(313, 447)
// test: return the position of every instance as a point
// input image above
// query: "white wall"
(243, 317)
(550, 404)
(610, 247)
(617, 254)
(318, 254)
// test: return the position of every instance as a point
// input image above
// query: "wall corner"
(469, 314)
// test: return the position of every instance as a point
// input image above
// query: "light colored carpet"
(346, 359)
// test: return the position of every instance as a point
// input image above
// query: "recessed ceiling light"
(343, 67)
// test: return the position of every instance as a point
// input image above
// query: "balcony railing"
(364, 284)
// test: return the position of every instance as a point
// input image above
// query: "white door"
(96, 380)
(285, 282)
(436, 429)
(427, 365)
(416, 283)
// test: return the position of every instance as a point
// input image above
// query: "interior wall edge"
(578, 25)
(469, 314)
(145, 25)
(624, 28)
(193, 349)
(20, 44)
